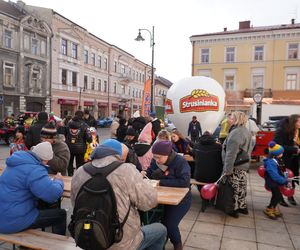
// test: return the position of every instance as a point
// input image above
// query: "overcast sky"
(118, 21)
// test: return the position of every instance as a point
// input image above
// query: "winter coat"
(139, 123)
(129, 188)
(273, 175)
(61, 158)
(17, 145)
(181, 146)
(237, 139)
(194, 129)
(208, 159)
(290, 156)
(155, 128)
(121, 132)
(91, 122)
(33, 136)
(77, 137)
(23, 182)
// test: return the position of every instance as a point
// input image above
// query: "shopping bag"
(224, 200)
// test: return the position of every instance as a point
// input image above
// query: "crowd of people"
(145, 150)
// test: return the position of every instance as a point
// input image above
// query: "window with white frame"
(64, 77)
(43, 47)
(99, 84)
(34, 46)
(123, 89)
(257, 81)
(115, 66)
(229, 81)
(74, 78)
(105, 86)
(8, 40)
(129, 90)
(291, 81)
(86, 56)
(26, 42)
(122, 68)
(105, 63)
(74, 50)
(93, 59)
(230, 54)
(259, 53)
(115, 88)
(204, 55)
(9, 74)
(293, 51)
(93, 83)
(85, 82)
(133, 92)
(64, 46)
(99, 61)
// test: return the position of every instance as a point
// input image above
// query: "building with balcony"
(90, 73)
(251, 60)
(160, 90)
(25, 61)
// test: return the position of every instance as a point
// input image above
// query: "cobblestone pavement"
(214, 230)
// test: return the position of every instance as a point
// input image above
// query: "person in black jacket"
(77, 138)
(33, 135)
(194, 129)
(208, 161)
(288, 136)
(121, 130)
(89, 119)
(138, 124)
(155, 125)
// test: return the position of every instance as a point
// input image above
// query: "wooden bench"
(36, 239)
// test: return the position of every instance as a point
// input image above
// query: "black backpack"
(95, 221)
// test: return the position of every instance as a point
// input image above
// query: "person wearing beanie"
(61, 153)
(24, 181)
(132, 193)
(171, 170)
(131, 138)
(274, 178)
(77, 137)
(19, 141)
(34, 131)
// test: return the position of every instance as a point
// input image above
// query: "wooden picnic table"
(166, 195)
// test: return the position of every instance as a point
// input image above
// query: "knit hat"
(162, 147)
(49, 131)
(43, 150)
(131, 131)
(93, 130)
(275, 149)
(146, 134)
(43, 116)
(114, 144)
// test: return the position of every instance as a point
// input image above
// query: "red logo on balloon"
(169, 107)
(199, 101)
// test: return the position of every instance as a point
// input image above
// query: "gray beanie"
(43, 150)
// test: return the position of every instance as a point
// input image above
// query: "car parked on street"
(104, 122)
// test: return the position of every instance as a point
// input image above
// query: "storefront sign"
(102, 104)
(67, 102)
(88, 103)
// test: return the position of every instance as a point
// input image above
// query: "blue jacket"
(23, 182)
(273, 174)
(179, 173)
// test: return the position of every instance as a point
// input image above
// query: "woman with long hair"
(288, 136)
(238, 139)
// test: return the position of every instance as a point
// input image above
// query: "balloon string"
(219, 179)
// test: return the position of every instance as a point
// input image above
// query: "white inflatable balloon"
(201, 96)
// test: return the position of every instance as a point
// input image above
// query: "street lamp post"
(257, 98)
(152, 43)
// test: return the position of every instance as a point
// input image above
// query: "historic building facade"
(251, 60)
(25, 61)
(90, 73)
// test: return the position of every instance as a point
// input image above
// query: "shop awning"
(67, 102)
(88, 103)
(115, 105)
(102, 104)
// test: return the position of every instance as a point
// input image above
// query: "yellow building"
(251, 60)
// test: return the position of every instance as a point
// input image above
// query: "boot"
(277, 212)
(292, 200)
(178, 246)
(270, 213)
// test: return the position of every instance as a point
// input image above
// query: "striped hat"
(275, 149)
(49, 131)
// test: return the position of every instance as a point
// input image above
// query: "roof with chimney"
(163, 81)
(245, 27)
(7, 9)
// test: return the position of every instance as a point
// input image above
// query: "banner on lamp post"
(146, 102)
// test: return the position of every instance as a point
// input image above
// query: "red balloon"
(290, 173)
(287, 191)
(209, 191)
(261, 171)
